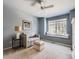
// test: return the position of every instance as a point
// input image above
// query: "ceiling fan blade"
(33, 3)
(50, 6)
(36, 1)
(44, 7)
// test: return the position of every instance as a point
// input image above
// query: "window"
(57, 27)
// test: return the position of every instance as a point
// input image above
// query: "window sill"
(61, 36)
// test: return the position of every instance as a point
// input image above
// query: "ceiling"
(60, 7)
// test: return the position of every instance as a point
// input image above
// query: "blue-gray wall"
(69, 28)
(13, 17)
(41, 27)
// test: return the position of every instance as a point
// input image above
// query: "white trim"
(63, 19)
(7, 48)
(55, 35)
(73, 20)
(45, 25)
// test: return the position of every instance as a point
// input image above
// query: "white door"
(73, 38)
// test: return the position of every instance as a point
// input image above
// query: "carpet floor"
(50, 51)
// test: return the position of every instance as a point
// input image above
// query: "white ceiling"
(60, 7)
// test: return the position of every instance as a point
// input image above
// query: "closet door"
(73, 38)
(73, 33)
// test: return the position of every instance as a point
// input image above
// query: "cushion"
(38, 42)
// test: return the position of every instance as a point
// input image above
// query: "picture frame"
(26, 24)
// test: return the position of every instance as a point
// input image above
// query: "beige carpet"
(50, 51)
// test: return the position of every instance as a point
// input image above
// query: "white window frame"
(58, 35)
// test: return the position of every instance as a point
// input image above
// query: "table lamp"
(18, 31)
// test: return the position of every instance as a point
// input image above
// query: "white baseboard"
(7, 48)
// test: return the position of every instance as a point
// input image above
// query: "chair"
(27, 41)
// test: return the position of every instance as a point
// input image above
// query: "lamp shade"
(17, 28)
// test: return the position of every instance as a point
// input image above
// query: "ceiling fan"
(42, 5)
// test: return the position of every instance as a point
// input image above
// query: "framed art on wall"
(26, 24)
